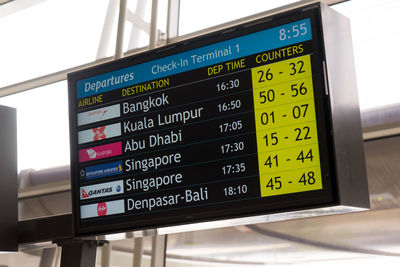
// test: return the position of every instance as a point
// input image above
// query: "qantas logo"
(99, 133)
(102, 190)
(93, 193)
(84, 194)
(102, 209)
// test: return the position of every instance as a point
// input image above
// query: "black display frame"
(328, 196)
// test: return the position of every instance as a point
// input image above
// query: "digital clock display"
(225, 125)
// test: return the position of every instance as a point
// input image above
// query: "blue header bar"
(242, 46)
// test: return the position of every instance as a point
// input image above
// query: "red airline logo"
(99, 133)
(105, 208)
(84, 194)
(102, 209)
(99, 114)
(100, 152)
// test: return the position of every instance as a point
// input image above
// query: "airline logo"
(92, 153)
(99, 133)
(102, 170)
(100, 152)
(84, 194)
(103, 209)
(102, 190)
(99, 114)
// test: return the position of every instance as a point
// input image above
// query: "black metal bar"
(78, 253)
(58, 229)
(8, 179)
(45, 229)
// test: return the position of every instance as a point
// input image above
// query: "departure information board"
(234, 123)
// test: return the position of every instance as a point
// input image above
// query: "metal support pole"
(107, 29)
(153, 24)
(135, 32)
(47, 258)
(173, 19)
(158, 250)
(57, 261)
(138, 252)
(106, 255)
(121, 27)
(78, 253)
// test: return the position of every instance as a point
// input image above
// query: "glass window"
(135, 35)
(376, 36)
(49, 37)
(42, 125)
(198, 15)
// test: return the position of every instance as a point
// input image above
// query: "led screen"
(230, 124)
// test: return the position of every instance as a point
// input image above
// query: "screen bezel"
(282, 203)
